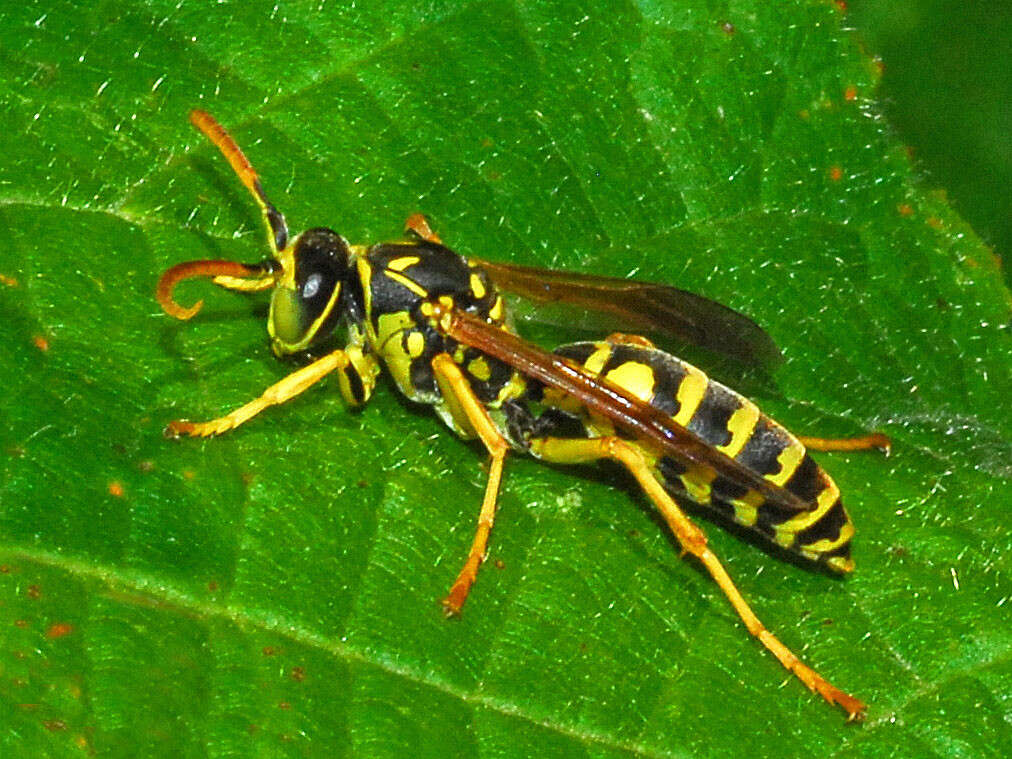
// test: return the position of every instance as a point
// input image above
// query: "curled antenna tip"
(190, 270)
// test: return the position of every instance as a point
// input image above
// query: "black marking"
(724, 489)
(557, 423)
(423, 376)
(500, 374)
(710, 420)
(355, 384)
(670, 470)
(321, 264)
(842, 552)
(519, 423)
(667, 370)
(807, 481)
(763, 448)
(825, 528)
(578, 352)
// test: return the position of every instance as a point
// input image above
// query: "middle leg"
(457, 390)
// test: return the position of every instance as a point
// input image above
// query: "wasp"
(438, 322)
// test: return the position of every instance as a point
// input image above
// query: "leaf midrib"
(145, 590)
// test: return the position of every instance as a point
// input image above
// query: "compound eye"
(321, 264)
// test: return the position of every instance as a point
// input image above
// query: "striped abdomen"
(733, 425)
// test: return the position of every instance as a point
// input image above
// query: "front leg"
(278, 393)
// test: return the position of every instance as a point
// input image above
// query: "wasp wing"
(645, 306)
(612, 402)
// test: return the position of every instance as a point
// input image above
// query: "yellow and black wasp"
(438, 322)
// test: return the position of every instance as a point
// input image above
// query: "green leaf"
(273, 591)
(944, 91)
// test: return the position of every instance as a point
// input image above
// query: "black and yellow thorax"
(397, 283)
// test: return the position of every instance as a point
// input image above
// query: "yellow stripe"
(821, 546)
(824, 501)
(365, 277)
(477, 287)
(789, 459)
(635, 377)
(495, 313)
(746, 509)
(690, 394)
(596, 361)
(479, 369)
(697, 483)
(400, 264)
(416, 344)
(784, 534)
(740, 425)
(413, 286)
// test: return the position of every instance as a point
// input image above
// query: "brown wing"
(607, 399)
(645, 306)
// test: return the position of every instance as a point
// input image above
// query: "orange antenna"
(193, 269)
(217, 134)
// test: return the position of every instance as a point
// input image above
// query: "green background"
(945, 89)
(273, 592)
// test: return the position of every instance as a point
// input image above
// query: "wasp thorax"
(304, 307)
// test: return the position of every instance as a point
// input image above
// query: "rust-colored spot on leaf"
(146, 466)
(835, 173)
(41, 343)
(54, 725)
(905, 209)
(21, 623)
(934, 222)
(213, 586)
(850, 94)
(59, 630)
(842, 5)
(116, 489)
(34, 592)
(270, 651)
(728, 28)
(500, 564)
(298, 674)
(284, 705)
(189, 474)
(4, 569)
(9, 281)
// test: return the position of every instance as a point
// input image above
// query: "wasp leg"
(278, 393)
(466, 407)
(863, 443)
(418, 224)
(692, 539)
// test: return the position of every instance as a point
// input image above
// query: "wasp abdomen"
(735, 427)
